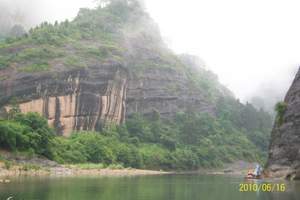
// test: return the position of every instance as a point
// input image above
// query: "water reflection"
(167, 187)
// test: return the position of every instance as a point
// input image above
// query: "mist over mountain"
(33, 12)
(96, 89)
(273, 90)
(30, 13)
(108, 75)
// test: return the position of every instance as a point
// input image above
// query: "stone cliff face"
(87, 99)
(84, 99)
(166, 91)
(284, 152)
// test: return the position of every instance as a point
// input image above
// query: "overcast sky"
(253, 45)
(250, 44)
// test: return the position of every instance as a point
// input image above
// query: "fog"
(253, 46)
(37, 11)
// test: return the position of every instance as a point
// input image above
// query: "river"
(164, 187)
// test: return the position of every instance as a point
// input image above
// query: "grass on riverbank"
(95, 166)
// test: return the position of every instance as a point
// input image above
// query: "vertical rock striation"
(84, 99)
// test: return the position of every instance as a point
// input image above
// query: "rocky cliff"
(105, 65)
(166, 91)
(284, 151)
(71, 100)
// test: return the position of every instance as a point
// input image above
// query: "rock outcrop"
(87, 99)
(166, 91)
(284, 151)
(84, 99)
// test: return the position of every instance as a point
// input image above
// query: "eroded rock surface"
(82, 99)
(284, 153)
(166, 91)
(89, 98)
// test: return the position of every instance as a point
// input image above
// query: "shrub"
(35, 68)
(26, 132)
(116, 166)
(89, 166)
(29, 167)
(7, 164)
(280, 109)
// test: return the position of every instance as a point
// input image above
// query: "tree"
(39, 133)
(17, 31)
(131, 3)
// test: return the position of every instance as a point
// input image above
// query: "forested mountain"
(108, 83)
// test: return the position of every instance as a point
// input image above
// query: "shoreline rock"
(65, 172)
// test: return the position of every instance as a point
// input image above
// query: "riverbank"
(20, 164)
(13, 165)
(50, 168)
(237, 168)
(66, 170)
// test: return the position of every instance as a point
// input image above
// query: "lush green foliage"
(201, 140)
(94, 35)
(255, 124)
(96, 148)
(27, 132)
(187, 142)
(280, 109)
(48, 42)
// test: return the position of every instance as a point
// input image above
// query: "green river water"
(164, 187)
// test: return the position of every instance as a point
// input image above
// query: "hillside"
(109, 72)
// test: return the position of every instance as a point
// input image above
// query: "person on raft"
(256, 173)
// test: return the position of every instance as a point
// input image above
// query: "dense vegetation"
(104, 34)
(189, 141)
(280, 109)
(28, 132)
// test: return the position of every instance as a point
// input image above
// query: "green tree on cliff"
(280, 109)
